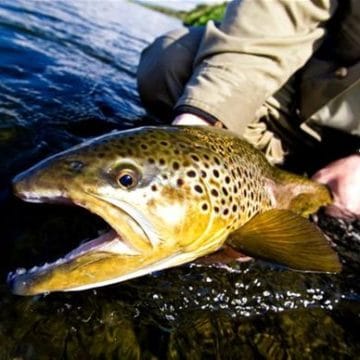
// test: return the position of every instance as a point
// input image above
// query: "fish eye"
(127, 179)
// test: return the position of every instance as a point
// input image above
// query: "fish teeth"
(33, 269)
(20, 271)
(13, 274)
(43, 266)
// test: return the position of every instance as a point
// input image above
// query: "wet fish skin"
(172, 194)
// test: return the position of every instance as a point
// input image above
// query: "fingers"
(340, 212)
(189, 119)
(343, 179)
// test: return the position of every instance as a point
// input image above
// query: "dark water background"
(67, 72)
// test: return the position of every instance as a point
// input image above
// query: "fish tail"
(299, 194)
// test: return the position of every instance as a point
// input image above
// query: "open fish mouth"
(114, 256)
(22, 281)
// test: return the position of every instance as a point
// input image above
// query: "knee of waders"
(164, 68)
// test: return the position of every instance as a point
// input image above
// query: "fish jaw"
(103, 261)
(73, 270)
(113, 257)
(123, 253)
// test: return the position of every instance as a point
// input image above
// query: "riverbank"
(200, 15)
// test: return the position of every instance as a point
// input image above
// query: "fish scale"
(171, 195)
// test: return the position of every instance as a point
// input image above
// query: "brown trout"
(171, 195)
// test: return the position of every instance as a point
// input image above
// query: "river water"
(67, 72)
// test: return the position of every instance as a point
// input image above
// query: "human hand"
(189, 119)
(343, 178)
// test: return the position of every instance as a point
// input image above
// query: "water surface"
(67, 72)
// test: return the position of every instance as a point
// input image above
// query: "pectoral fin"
(286, 238)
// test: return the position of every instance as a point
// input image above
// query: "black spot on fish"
(151, 161)
(224, 190)
(226, 211)
(162, 162)
(180, 182)
(217, 161)
(164, 143)
(203, 173)
(153, 187)
(234, 208)
(216, 173)
(214, 192)
(195, 158)
(144, 146)
(204, 206)
(191, 173)
(176, 165)
(216, 209)
(198, 189)
(227, 179)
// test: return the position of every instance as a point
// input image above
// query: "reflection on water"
(67, 72)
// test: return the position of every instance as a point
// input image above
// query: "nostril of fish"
(76, 165)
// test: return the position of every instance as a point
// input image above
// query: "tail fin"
(299, 194)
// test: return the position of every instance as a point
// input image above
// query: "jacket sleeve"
(257, 47)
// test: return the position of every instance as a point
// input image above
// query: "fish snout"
(36, 185)
(21, 185)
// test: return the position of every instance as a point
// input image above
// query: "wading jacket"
(261, 44)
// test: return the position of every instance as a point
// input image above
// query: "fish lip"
(56, 197)
(23, 282)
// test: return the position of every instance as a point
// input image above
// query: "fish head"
(147, 185)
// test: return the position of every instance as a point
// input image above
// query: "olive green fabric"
(337, 113)
(277, 61)
(256, 49)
